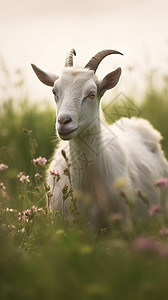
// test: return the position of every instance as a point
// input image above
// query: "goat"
(109, 164)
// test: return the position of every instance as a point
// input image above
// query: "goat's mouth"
(65, 133)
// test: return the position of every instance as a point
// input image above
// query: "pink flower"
(116, 217)
(23, 178)
(155, 209)
(164, 231)
(39, 160)
(28, 214)
(54, 173)
(12, 227)
(149, 245)
(37, 175)
(3, 167)
(162, 182)
(3, 191)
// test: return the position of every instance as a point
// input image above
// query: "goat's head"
(77, 92)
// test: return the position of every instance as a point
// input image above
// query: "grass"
(42, 256)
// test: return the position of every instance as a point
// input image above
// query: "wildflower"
(85, 249)
(3, 226)
(38, 210)
(27, 131)
(39, 160)
(55, 174)
(3, 191)
(3, 167)
(148, 245)
(145, 244)
(22, 230)
(38, 176)
(34, 209)
(8, 228)
(164, 231)
(12, 227)
(116, 217)
(120, 183)
(23, 178)
(26, 215)
(60, 232)
(162, 182)
(10, 210)
(2, 186)
(29, 213)
(155, 209)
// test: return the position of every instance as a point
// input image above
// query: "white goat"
(109, 163)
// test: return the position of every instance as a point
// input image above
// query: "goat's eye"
(91, 95)
(55, 95)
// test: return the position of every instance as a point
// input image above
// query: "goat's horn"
(69, 59)
(95, 60)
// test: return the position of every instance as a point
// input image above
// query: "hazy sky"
(43, 32)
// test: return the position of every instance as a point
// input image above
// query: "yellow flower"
(120, 182)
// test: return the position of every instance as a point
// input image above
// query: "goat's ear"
(46, 78)
(109, 81)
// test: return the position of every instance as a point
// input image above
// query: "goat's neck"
(87, 160)
(88, 142)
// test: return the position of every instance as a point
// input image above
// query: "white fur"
(106, 160)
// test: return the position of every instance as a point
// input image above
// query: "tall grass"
(42, 256)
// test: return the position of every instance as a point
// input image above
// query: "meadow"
(42, 256)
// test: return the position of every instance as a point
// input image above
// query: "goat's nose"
(64, 119)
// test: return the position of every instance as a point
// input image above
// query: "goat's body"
(128, 158)
(110, 166)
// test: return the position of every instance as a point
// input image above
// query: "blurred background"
(42, 32)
